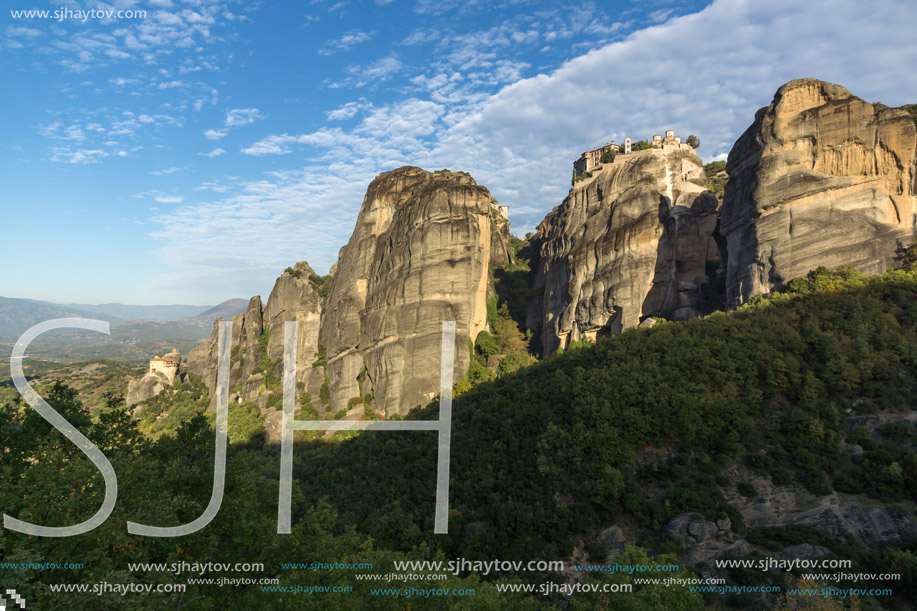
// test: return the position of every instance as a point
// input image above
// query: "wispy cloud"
(376, 72)
(121, 81)
(169, 199)
(167, 171)
(242, 116)
(348, 110)
(214, 153)
(215, 134)
(77, 156)
(345, 42)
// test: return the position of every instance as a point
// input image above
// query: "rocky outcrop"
(821, 178)
(147, 387)
(157, 379)
(870, 524)
(630, 242)
(257, 339)
(420, 254)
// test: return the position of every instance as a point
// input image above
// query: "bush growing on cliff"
(906, 256)
(486, 344)
(321, 358)
(692, 141)
(640, 145)
(324, 393)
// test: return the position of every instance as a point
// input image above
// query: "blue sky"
(190, 155)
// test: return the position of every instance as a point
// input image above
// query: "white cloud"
(360, 76)
(23, 32)
(79, 156)
(411, 118)
(345, 42)
(169, 199)
(348, 110)
(418, 37)
(171, 170)
(214, 153)
(272, 145)
(242, 116)
(290, 212)
(215, 134)
(59, 131)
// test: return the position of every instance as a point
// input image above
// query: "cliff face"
(420, 254)
(617, 250)
(820, 178)
(257, 340)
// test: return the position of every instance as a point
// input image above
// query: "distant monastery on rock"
(590, 160)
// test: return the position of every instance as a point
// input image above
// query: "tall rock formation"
(420, 254)
(257, 340)
(820, 178)
(630, 242)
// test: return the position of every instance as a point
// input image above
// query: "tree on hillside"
(608, 156)
(693, 141)
(640, 145)
(906, 256)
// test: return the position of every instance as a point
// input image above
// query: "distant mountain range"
(128, 322)
(134, 312)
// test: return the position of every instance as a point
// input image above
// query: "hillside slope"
(794, 412)
(785, 427)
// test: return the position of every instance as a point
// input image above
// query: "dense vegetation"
(633, 430)
(560, 448)
(95, 380)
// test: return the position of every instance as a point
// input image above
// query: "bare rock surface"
(821, 178)
(630, 242)
(420, 254)
(145, 388)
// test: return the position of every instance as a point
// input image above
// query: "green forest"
(633, 430)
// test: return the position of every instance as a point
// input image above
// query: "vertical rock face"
(257, 339)
(617, 250)
(420, 254)
(820, 178)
